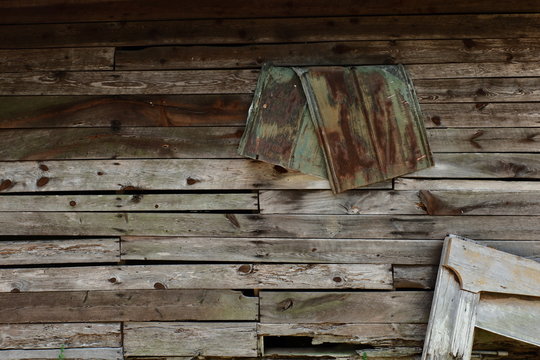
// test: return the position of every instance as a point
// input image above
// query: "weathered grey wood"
(71, 354)
(482, 227)
(269, 30)
(136, 202)
(510, 315)
(198, 276)
(466, 185)
(391, 334)
(127, 83)
(462, 335)
(330, 53)
(400, 352)
(344, 307)
(120, 143)
(35, 252)
(415, 276)
(123, 111)
(62, 59)
(127, 305)
(480, 268)
(45, 336)
(190, 339)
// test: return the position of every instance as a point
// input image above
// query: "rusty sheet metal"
(353, 125)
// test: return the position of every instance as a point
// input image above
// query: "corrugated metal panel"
(363, 125)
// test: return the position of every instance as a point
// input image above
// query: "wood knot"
(159, 286)
(72, 203)
(192, 181)
(246, 269)
(337, 279)
(43, 167)
(436, 120)
(112, 280)
(286, 304)
(42, 181)
(5, 184)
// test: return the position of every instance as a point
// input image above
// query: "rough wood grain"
(344, 307)
(123, 111)
(463, 332)
(248, 31)
(45, 336)
(474, 70)
(465, 185)
(157, 174)
(329, 53)
(71, 354)
(135, 202)
(415, 276)
(57, 59)
(254, 225)
(35, 252)
(127, 305)
(198, 276)
(190, 339)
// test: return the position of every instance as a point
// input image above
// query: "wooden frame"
(481, 287)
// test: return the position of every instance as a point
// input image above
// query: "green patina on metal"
(352, 125)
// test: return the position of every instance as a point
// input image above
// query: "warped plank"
(412, 227)
(242, 31)
(466, 185)
(35, 252)
(482, 114)
(344, 307)
(128, 83)
(127, 305)
(512, 316)
(415, 276)
(294, 250)
(199, 276)
(123, 111)
(136, 202)
(56, 59)
(120, 143)
(44, 336)
(158, 174)
(71, 354)
(190, 339)
(394, 334)
(97, 10)
(329, 53)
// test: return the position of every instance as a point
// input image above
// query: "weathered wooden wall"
(130, 227)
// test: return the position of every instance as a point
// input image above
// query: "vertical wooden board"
(278, 128)
(45, 336)
(71, 354)
(190, 339)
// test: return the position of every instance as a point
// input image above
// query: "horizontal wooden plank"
(120, 143)
(198, 276)
(254, 225)
(393, 334)
(123, 111)
(293, 250)
(474, 70)
(330, 53)
(45, 336)
(127, 83)
(158, 174)
(71, 354)
(467, 185)
(415, 276)
(63, 59)
(345, 307)
(98, 10)
(242, 31)
(136, 202)
(35, 252)
(127, 305)
(190, 339)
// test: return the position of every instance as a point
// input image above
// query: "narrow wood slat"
(123, 111)
(244, 31)
(330, 53)
(474, 70)
(345, 307)
(466, 185)
(199, 276)
(190, 339)
(136, 202)
(390, 334)
(120, 143)
(71, 354)
(294, 250)
(35, 252)
(45, 336)
(127, 305)
(158, 174)
(254, 225)
(63, 59)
